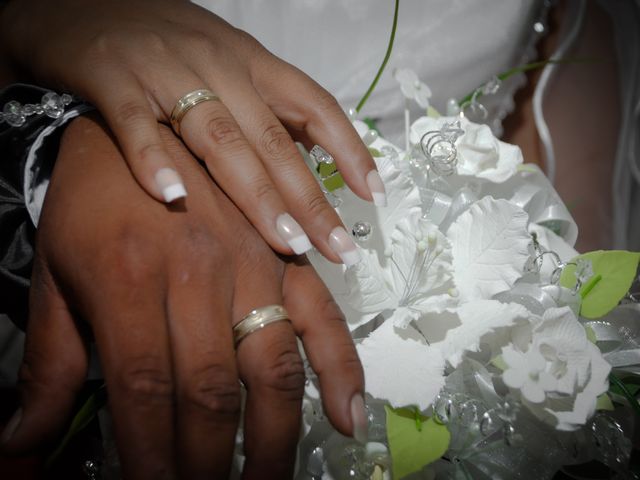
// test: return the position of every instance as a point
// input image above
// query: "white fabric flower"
(400, 367)
(412, 278)
(557, 370)
(480, 153)
(411, 86)
(527, 373)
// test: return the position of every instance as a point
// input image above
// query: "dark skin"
(160, 288)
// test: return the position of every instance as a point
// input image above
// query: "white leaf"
(399, 367)
(490, 248)
(476, 318)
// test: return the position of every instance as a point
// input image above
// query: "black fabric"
(17, 233)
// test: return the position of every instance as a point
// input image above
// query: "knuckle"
(316, 205)
(131, 112)
(144, 380)
(153, 43)
(275, 142)
(262, 188)
(285, 374)
(323, 101)
(215, 389)
(203, 253)
(130, 256)
(223, 131)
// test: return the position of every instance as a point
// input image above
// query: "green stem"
(524, 68)
(365, 97)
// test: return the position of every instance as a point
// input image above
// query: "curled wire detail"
(439, 148)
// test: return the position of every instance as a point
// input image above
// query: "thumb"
(53, 369)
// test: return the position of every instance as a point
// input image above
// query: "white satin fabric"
(453, 45)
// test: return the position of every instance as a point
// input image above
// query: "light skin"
(135, 59)
(160, 288)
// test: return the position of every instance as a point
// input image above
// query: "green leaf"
(375, 153)
(414, 440)
(527, 167)
(332, 178)
(87, 412)
(591, 335)
(617, 385)
(616, 269)
(499, 362)
(432, 112)
(604, 403)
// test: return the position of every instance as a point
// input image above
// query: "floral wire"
(365, 97)
(477, 93)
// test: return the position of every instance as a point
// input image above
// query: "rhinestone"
(28, 110)
(39, 109)
(13, 114)
(66, 99)
(320, 155)
(52, 105)
(511, 437)
(538, 27)
(362, 231)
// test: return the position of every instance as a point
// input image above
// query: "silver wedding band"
(258, 319)
(186, 103)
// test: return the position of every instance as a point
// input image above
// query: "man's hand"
(160, 288)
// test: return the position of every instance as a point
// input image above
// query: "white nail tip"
(376, 187)
(379, 199)
(170, 184)
(300, 245)
(341, 243)
(350, 257)
(291, 232)
(173, 192)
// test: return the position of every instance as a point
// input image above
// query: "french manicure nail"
(359, 418)
(292, 233)
(341, 243)
(377, 189)
(170, 184)
(11, 427)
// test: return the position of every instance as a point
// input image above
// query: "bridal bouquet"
(487, 341)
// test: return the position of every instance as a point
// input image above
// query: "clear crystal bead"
(28, 110)
(362, 231)
(369, 137)
(490, 423)
(511, 437)
(13, 114)
(320, 155)
(39, 110)
(350, 462)
(52, 105)
(66, 99)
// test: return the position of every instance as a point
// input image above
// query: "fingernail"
(11, 427)
(359, 419)
(377, 189)
(170, 184)
(341, 243)
(292, 233)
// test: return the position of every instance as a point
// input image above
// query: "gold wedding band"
(186, 103)
(257, 319)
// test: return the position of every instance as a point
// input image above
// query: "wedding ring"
(257, 319)
(186, 103)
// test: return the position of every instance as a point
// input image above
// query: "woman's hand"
(160, 287)
(134, 59)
